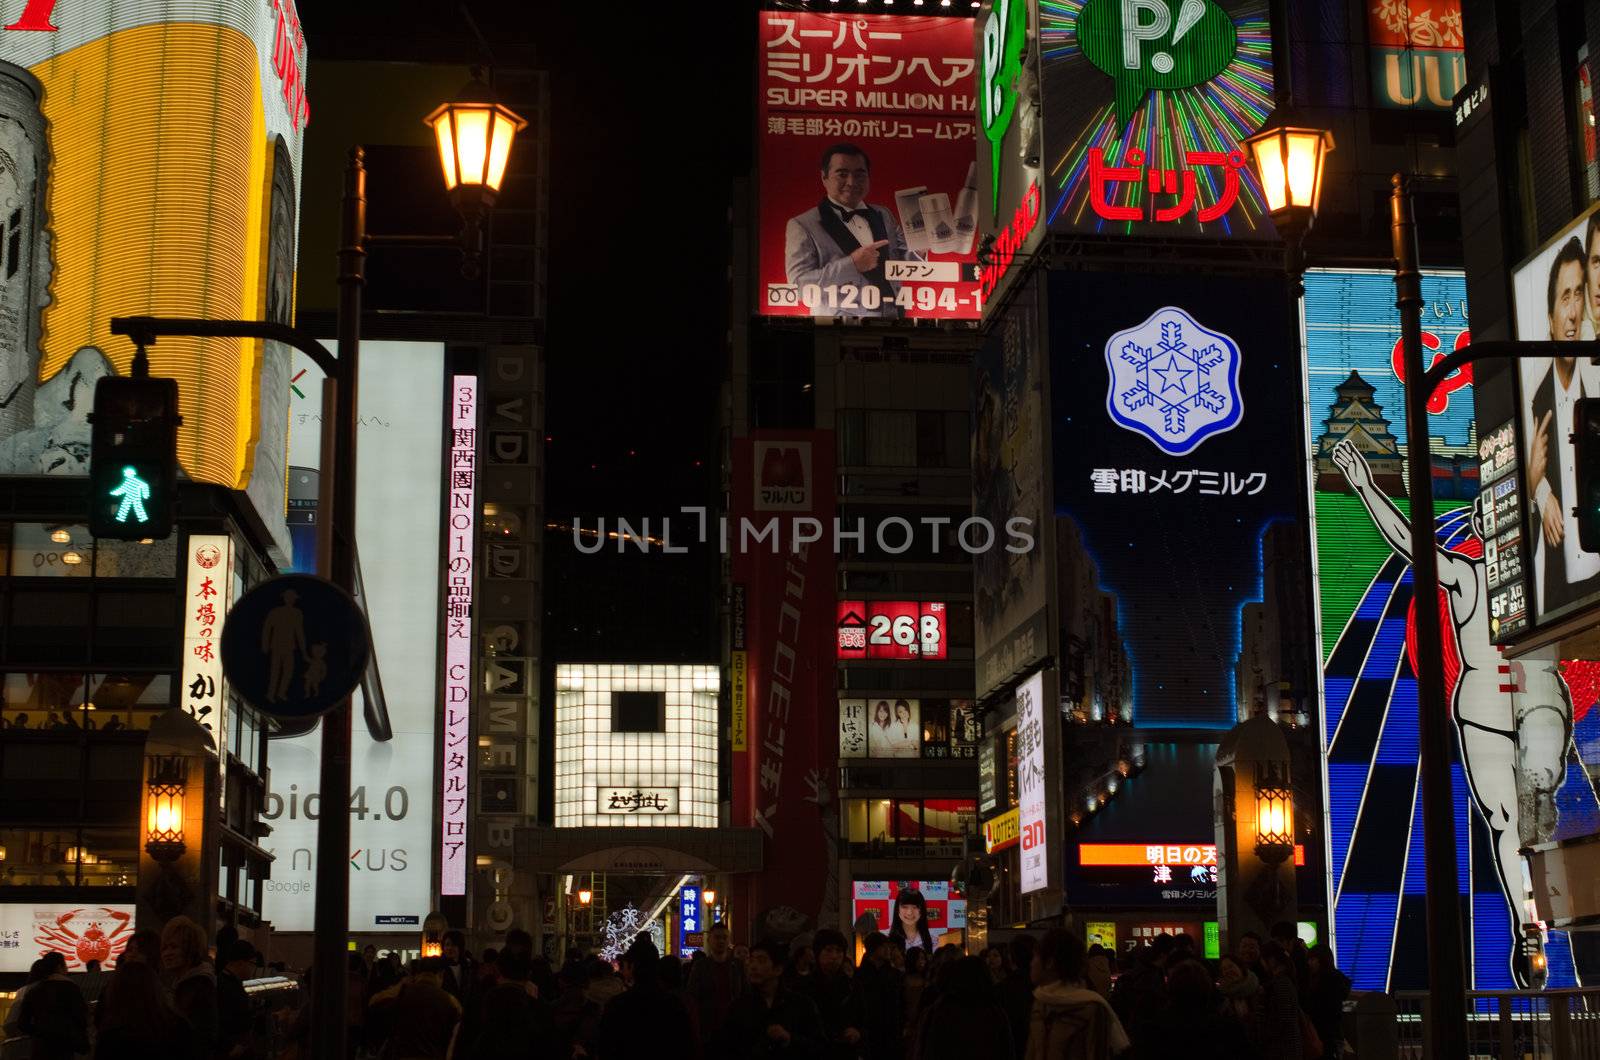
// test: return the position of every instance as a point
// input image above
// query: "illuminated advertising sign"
(633, 743)
(207, 596)
(403, 439)
(1177, 477)
(1366, 611)
(109, 170)
(1417, 52)
(1145, 105)
(869, 189)
(79, 933)
(689, 922)
(891, 629)
(945, 904)
(907, 728)
(1003, 832)
(789, 609)
(1031, 783)
(456, 710)
(1010, 622)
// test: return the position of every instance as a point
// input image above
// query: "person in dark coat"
(1280, 1006)
(1196, 1025)
(878, 994)
(966, 1022)
(512, 1021)
(770, 1020)
(1327, 989)
(137, 1022)
(1141, 993)
(715, 981)
(187, 966)
(1016, 991)
(829, 988)
(235, 1013)
(54, 1014)
(645, 1019)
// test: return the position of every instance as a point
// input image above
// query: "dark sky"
(651, 115)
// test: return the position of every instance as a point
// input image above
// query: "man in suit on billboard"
(1568, 572)
(844, 241)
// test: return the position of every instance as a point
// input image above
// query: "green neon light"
(1150, 44)
(134, 491)
(1004, 34)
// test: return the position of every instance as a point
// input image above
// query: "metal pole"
(1445, 1030)
(332, 923)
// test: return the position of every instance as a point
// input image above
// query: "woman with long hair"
(910, 928)
(881, 716)
(136, 1020)
(904, 726)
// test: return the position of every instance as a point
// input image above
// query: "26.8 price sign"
(891, 629)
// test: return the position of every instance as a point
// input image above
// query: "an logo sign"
(1150, 44)
(783, 476)
(1004, 34)
(1174, 381)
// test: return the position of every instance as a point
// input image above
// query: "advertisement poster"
(1031, 775)
(1557, 298)
(79, 933)
(869, 193)
(105, 172)
(945, 905)
(784, 784)
(1143, 122)
(1367, 615)
(401, 457)
(1008, 482)
(1417, 51)
(892, 629)
(1176, 478)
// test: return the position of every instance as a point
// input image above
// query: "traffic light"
(133, 460)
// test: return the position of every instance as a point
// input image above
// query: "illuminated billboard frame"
(892, 629)
(594, 760)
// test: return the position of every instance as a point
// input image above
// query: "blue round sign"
(295, 646)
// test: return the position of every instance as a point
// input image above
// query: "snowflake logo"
(1174, 381)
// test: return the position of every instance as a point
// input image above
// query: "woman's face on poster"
(881, 713)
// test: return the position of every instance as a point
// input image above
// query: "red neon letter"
(36, 16)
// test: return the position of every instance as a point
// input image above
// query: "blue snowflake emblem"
(1174, 381)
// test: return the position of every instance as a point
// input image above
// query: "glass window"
(136, 559)
(50, 550)
(128, 701)
(40, 857)
(892, 439)
(116, 774)
(42, 780)
(932, 447)
(867, 821)
(958, 442)
(108, 857)
(47, 625)
(852, 437)
(947, 820)
(42, 701)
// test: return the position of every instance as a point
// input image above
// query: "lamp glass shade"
(585, 896)
(1274, 815)
(432, 948)
(1268, 152)
(446, 139)
(710, 896)
(1290, 162)
(474, 138)
(164, 814)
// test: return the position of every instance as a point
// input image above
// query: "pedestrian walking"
(1195, 1025)
(512, 1021)
(1069, 1020)
(1280, 1007)
(54, 1015)
(187, 967)
(645, 1019)
(966, 1022)
(91, 982)
(1240, 992)
(136, 1021)
(1016, 993)
(418, 1018)
(1141, 992)
(769, 1019)
(1327, 990)
(829, 988)
(236, 1016)
(715, 980)
(878, 997)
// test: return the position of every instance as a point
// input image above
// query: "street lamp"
(585, 896)
(434, 925)
(474, 133)
(1274, 816)
(1290, 162)
(163, 831)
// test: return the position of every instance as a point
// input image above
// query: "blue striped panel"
(1400, 744)
(1346, 782)
(1558, 954)
(1336, 695)
(1387, 644)
(1373, 604)
(1364, 927)
(1416, 859)
(1492, 939)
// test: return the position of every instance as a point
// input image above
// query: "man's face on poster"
(846, 180)
(1566, 309)
(1591, 257)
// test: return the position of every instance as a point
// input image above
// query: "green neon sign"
(134, 491)
(1149, 44)
(1005, 33)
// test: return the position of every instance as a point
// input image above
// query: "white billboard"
(80, 933)
(1030, 783)
(399, 497)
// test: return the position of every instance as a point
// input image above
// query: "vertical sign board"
(1417, 51)
(399, 486)
(106, 171)
(782, 477)
(1031, 782)
(208, 592)
(739, 674)
(456, 709)
(1359, 475)
(688, 919)
(885, 228)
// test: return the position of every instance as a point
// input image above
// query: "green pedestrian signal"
(133, 460)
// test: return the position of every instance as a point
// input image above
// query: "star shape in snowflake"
(1167, 374)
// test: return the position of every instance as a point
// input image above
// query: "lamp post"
(166, 789)
(1290, 162)
(474, 156)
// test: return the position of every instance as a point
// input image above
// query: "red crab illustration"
(93, 944)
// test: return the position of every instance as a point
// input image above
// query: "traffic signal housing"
(133, 460)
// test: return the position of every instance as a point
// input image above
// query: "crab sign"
(93, 943)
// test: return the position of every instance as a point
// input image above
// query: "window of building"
(892, 439)
(638, 712)
(70, 857)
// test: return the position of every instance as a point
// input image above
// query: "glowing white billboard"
(636, 745)
(399, 499)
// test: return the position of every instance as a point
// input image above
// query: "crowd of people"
(170, 997)
(1044, 998)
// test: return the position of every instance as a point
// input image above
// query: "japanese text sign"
(891, 629)
(209, 592)
(1031, 783)
(460, 486)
